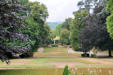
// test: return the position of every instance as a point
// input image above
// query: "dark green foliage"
(63, 30)
(66, 71)
(23, 2)
(36, 27)
(54, 45)
(93, 56)
(78, 23)
(47, 34)
(26, 55)
(64, 38)
(85, 55)
(11, 40)
(82, 20)
(66, 24)
(109, 6)
(52, 35)
(22, 28)
(95, 33)
(58, 29)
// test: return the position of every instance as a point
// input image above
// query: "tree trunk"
(110, 53)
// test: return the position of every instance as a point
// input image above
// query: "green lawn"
(40, 71)
(39, 65)
(51, 55)
(55, 71)
(63, 59)
(64, 50)
(55, 52)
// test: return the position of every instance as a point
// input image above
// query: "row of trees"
(90, 29)
(23, 28)
(77, 24)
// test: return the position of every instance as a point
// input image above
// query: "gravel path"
(70, 50)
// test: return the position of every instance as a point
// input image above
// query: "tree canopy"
(23, 27)
(36, 27)
(109, 22)
(95, 33)
(63, 31)
(77, 24)
(11, 40)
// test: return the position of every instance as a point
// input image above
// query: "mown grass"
(46, 50)
(28, 66)
(55, 71)
(50, 55)
(61, 59)
(39, 64)
(40, 71)
(55, 52)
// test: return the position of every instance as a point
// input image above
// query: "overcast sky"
(59, 10)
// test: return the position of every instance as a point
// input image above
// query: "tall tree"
(36, 27)
(11, 40)
(91, 4)
(95, 33)
(65, 36)
(58, 29)
(67, 23)
(77, 24)
(109, 22)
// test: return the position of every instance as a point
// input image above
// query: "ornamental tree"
(12, 41)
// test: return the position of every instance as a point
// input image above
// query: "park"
(46, 37)
(51, 61)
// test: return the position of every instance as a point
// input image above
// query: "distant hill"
(54, 24)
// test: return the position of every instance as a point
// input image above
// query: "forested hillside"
(53, 24)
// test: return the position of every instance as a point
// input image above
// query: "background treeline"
(23, 28)
(63, 31)
(91, 27)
